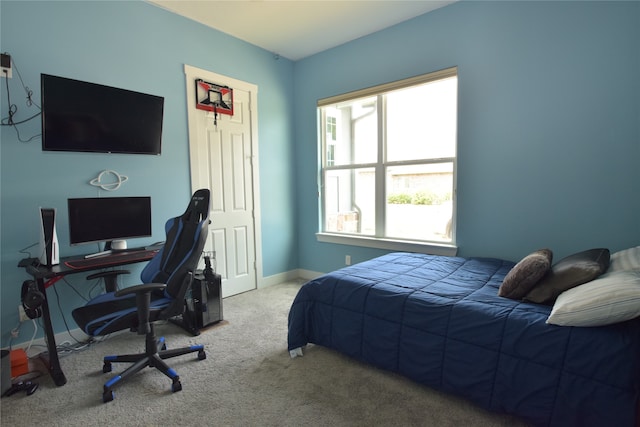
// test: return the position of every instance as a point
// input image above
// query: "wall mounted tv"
(89, 117)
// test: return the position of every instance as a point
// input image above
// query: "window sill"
(389, 244)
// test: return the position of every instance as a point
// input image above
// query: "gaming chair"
(166, 279)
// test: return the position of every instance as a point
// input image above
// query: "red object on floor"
(19, 363)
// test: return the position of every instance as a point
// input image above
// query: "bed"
(439, 321)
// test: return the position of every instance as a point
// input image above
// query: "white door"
(223, 153)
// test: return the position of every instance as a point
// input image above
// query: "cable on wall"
(13, 108)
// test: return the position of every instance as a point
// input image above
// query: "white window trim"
(388, 244)
(388, 87)
(432, 248)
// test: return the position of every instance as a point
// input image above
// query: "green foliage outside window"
(420, 198)
(399, 199)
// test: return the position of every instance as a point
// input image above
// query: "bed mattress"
(439, 321)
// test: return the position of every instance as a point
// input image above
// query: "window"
(389, 161)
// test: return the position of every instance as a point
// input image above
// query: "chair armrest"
(143, 302)
(140, 289)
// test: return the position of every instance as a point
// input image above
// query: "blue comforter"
(439, 321)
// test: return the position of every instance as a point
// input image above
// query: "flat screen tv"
(104, 219)
(89, 117)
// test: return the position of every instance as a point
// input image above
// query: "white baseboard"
(288, 276)
(308, 274)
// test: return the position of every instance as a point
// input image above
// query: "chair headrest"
(198, 208)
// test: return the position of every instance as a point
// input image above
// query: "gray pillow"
(525, 274)
(568, 273)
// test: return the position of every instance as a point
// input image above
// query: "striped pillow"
(627, 259)
(611, 298)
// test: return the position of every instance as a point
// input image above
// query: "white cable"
(33, 337)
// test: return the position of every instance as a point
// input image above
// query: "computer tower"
(203, 302)
(207, 299)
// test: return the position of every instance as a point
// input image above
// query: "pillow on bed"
(568, 273)
(628, 259)
(611, 298)
(525, 274)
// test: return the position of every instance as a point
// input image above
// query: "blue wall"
(549, 122)
(137, 46)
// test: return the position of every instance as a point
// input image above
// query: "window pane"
(419, 202)
(405, 132)
(421, 121)
(350, 201)
(352, 132)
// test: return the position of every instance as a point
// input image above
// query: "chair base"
(150, 358)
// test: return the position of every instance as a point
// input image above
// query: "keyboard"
(115, 258)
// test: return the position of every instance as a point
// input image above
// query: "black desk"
(47, 276)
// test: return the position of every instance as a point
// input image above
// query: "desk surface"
(79, 264)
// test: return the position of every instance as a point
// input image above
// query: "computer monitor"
(105, 219)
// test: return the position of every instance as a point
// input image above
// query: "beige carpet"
(248, 379)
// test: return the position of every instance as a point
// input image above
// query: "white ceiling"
(295, 29)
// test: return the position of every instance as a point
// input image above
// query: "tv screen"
(89, 117)
(103, 219)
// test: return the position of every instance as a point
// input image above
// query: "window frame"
(394, 244)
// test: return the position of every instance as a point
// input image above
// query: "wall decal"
(109, 186)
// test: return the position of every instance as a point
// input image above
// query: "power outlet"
(347, 260)
(21, 314)
(5, 65)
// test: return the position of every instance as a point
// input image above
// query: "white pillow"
(611, 298)
(628, 259)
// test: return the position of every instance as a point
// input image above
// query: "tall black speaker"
(48, 248)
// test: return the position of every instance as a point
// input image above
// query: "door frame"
(191, 74)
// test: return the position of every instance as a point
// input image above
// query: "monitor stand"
(107, 250)
(97, 254)
(110, 247)
(117, 245)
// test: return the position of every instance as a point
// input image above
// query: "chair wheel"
(202, 355)
(176, 386)
(106, 368)
(107, 396)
